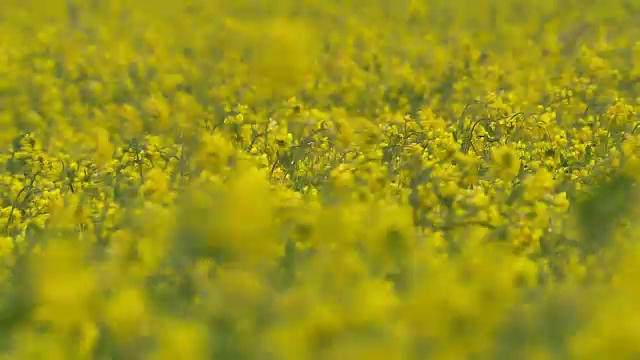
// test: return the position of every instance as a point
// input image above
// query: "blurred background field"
(303, 179)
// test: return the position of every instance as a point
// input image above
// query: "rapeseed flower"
(506, 162)
(318, 179)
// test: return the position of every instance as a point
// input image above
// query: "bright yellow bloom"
(506, 162)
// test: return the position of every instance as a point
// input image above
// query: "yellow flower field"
(305, 179)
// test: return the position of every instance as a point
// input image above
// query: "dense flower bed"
(303, 179)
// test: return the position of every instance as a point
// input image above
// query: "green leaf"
(599, 213)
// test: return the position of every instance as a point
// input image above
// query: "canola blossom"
(304, 179)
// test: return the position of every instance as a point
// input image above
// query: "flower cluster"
(319, 180)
